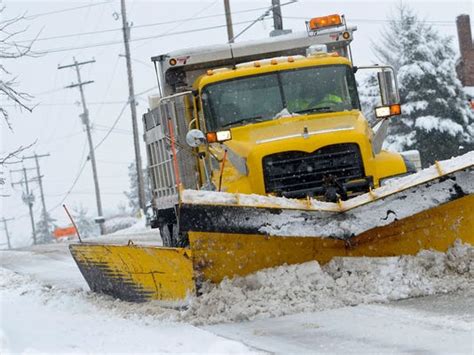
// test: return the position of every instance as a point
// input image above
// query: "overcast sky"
(55, 124)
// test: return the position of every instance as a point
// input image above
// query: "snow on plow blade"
(237, 234)
(136, 273)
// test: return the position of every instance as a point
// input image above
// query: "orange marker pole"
(73, 223)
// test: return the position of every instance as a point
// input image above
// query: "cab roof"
(270, 65)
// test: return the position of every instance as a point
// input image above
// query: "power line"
(180, 22)
(81, 169)
(112, 127)
(76, 179)
(110, 43)
(34, 16)
(120, 116)
(109, 85)
(73, 103)
(89, 103)
(153, 24)
(116, 131)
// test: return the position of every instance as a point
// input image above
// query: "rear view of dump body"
(236, 234)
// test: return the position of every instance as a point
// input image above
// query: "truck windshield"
(269, 96)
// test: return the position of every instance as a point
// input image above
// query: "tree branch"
(9, 49)
(15, 155)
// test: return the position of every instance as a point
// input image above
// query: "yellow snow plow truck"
(259, 156)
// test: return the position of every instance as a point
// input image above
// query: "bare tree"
(9, 93)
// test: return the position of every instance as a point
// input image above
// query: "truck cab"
(297, 126)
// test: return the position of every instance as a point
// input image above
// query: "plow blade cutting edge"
(236, 234)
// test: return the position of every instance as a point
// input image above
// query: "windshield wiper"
(248, 119)
(315, 109)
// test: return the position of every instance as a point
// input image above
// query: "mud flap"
(136, 273)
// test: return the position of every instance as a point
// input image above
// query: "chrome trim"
(305, 135)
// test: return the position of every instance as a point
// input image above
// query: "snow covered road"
(37, 318)
(46, 307)
(411, 326)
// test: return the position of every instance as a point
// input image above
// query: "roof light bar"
(318, 23)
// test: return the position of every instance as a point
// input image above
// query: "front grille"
(298, 174)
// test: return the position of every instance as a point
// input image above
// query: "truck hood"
(246, 139)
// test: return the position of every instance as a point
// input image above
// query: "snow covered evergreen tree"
(132, 195)
(85, 223)
(436, 119)
(44, 228)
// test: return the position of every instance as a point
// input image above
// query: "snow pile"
(138, 226)
(342, 282)
(118, 223)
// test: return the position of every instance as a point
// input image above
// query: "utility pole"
(28, 198)
(228, 20)
(277, 19)
(85, 120)
(5, 227)
(40, 183)
(133, 108)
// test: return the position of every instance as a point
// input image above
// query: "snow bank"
(40, 318)
(342, 282)
(118, 223)
(133, 226)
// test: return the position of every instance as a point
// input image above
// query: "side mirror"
(195, 138)
(388, 86)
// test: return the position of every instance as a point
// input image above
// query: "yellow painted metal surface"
(254, 142)
(136, 273)
(141, 273)
(219, 255)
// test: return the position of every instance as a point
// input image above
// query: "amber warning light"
(317, 23)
